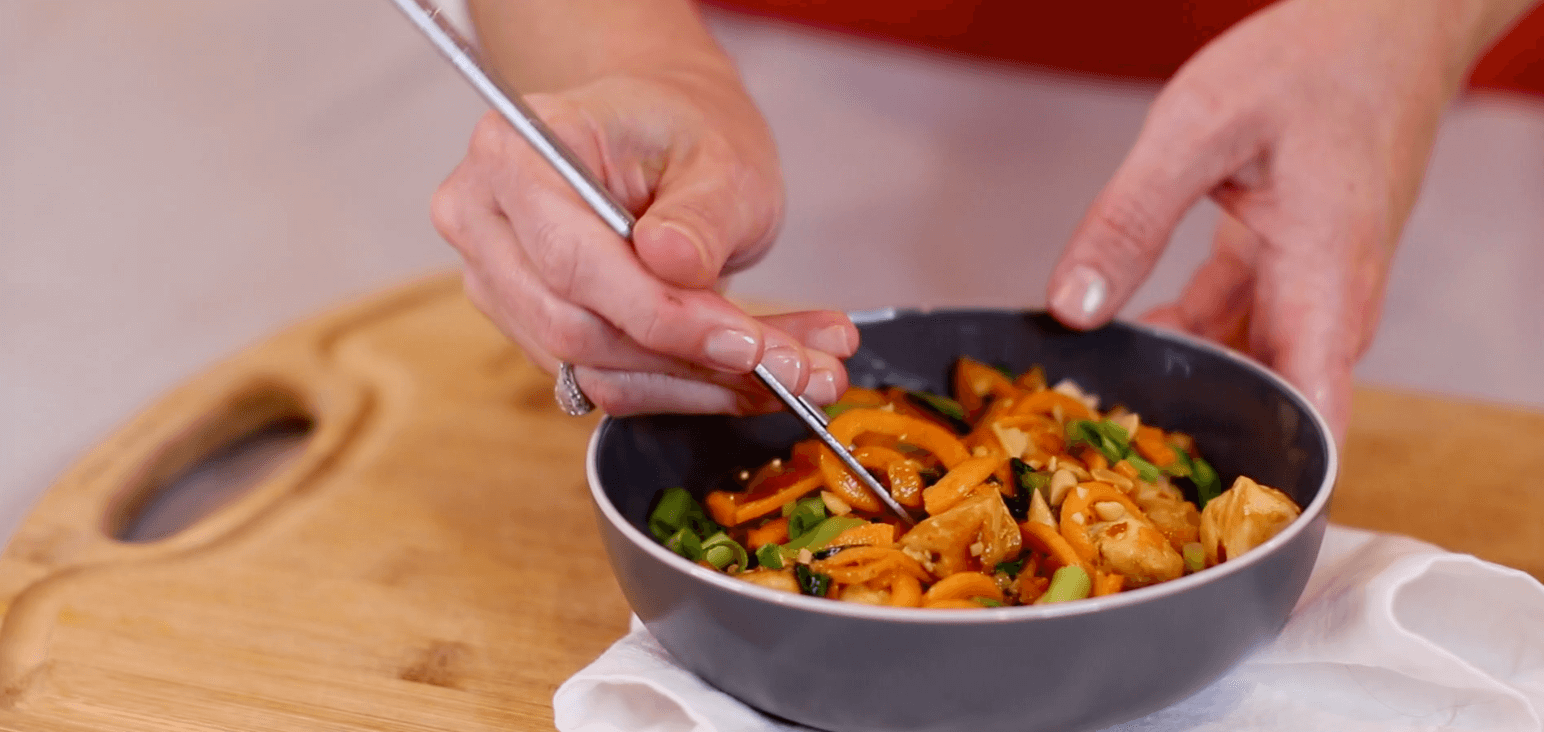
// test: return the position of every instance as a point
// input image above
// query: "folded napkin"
(1390, 634)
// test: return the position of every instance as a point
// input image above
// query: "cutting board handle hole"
(228, 458)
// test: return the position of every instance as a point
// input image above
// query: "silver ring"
(570, 397)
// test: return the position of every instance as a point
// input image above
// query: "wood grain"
(428, 563)
(429, 560)
(1468, 476)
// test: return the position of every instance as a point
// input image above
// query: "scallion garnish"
(820, 534)
(946, 409)
(721, 551)
(685, 543)
(770, 556)
(1110, 439)
(805, 515)
(1069, 583)
(1195, 557)
(1146, 471)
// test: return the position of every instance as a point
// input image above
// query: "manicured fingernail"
(821, 388)
(784, 363)
(1082, 293)
(731, 350)
(835, 340)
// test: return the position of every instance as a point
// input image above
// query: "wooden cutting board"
(429, 561)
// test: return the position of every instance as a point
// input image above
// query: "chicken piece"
(865, 595)
(777, 579)
(1176, 518)
(1136, 549)
(976, 532)
(1245, 516)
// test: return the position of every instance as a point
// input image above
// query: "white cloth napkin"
(1390, 634)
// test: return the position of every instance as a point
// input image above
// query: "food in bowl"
(1028, 494)
(1062, 666)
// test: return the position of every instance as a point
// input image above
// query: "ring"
(570, 397)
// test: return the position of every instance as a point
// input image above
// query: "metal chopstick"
(432, 23)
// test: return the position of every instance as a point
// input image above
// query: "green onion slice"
(805, 515)
(1069, 583)
(721, 551)
(770, 556)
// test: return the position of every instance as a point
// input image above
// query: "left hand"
(1309, 124)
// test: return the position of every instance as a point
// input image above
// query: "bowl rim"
(904, 615)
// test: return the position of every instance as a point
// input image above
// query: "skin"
(1309, 123)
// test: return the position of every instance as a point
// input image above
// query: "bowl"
(1080, 665)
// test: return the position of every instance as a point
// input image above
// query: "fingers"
(1186, 149)
(1309, 317)
(680, 388)
(712, 215)
(554, 261)
(1217, 301)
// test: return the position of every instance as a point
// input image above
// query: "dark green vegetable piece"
(1208, 484)
(721, 551)
(828, 552)
(1145, 470)
(811, 582)
(770, 556)
(1029, 478)
(820, 534)
(986, 602)
(942, 407)
(805, 515)
(1011, 569)
(670, 514)
(679, 523)
(1028, 481)
(1110, 439)
(834, 409)
(685, 543)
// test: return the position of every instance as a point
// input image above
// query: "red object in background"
(1143, 39)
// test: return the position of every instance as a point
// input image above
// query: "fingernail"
(821, 388)
(835, 340)
(731, 350)
(1082, 293)
(784, 363)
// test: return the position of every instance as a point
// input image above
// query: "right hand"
(687, 152)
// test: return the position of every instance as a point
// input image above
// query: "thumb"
(712, 214)
(1179, 157)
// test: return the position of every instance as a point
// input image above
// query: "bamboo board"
(429, 560)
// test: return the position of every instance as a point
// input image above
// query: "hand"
(686, 151)
(1309, 124)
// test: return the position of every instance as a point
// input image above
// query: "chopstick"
(432, 23)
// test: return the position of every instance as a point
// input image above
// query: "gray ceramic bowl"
(1075, 666)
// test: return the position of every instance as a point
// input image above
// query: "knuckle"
(562, 333)
(490, 137)
(1131, 231)
(555, 255)
(446, 213)
(649, 327)
(611, 394)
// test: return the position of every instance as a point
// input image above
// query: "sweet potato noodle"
(1025, 493)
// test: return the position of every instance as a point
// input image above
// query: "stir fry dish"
(1024, 493)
